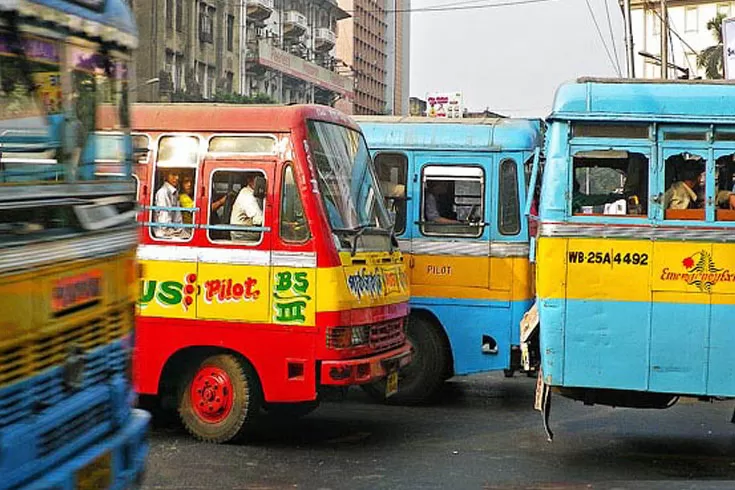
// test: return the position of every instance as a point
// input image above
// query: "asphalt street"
(483, 433)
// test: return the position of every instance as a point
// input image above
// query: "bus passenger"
(246, 211)
(185, 199)
(436, 194)
(168, 196)
(683, 194)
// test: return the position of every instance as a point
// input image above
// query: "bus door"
(679, 336)
(451, 257)
(234, 265)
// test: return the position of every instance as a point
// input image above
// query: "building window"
(656, 23)
(724, 9)
(211, 81)
(691, 19)
(230, 32)
(206, 23)
(179, 16)
(170, 14)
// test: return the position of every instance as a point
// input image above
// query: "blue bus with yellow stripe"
(634, 255)
(458, 191)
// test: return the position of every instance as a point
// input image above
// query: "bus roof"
(108, 20)
(682, 101)
(231, 117)
(422, 133)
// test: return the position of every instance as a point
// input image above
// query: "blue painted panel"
(465, 322)
(606, 344)
(679, 337)
(551, 314)
(677, 101)
(721, 377)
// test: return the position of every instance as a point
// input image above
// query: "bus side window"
(293, 224)
(174, 187)
(686, 189)
(725, 192)
(392, 169)
(452, 200)
(509, 212)
(237, 199)
(610, 183)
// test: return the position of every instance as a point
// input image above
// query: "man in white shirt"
(168, 196)
(246, 212)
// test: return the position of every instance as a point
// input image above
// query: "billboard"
(728, 50)
(448, 105)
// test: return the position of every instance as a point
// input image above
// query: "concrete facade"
(281, 49)
(688, 19)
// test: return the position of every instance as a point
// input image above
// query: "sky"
(510, 59)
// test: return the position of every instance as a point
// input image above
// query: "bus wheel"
(420, 381)
(218, 397)
(290, 410)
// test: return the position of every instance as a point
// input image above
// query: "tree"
(711, 58)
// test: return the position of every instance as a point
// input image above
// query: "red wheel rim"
(211, 394)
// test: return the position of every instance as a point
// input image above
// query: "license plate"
(391, 384)
(96, 475)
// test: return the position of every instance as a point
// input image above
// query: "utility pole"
(664, 40)
(629, 39)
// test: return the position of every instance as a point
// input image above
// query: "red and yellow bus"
(269, 264)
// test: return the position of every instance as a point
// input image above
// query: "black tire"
(290, 410)
(420, 381)
(243, 391)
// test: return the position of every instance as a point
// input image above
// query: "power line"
(453, 7)
(602, 39)
(612, 36)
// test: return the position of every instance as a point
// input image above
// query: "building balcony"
(294, 24)
(324, 39)
(259, 10)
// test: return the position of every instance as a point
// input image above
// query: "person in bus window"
(434, 211)
(185, 198)
(168, 196)
(683, 193)
(246, 211)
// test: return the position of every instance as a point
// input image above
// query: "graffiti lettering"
(290, 298)
(366, 283)
(700, 271)
(225, 290)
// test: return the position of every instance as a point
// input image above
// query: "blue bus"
(68, 237)
(635, 254)
(457, 189)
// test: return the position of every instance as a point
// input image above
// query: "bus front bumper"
(118, 460)
(365, 369)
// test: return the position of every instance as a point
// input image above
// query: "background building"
(374, 43)
(688, 34)
(280, 50)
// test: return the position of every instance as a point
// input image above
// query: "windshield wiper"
(355, 233)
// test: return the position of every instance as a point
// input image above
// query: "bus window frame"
(286, 166)
(210, 173)
(719, 151)
(149, 152)
(406, 164)
(644, 147)
(154, 170)
(513, 159)
(221, 154)
(483, 227)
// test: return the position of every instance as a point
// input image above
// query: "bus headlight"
(348, 337)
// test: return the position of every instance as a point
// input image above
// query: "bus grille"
(385, 336)
(73, 429)
(32, 372)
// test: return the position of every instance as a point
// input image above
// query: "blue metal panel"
(552, 313)
(679, 338)
(115, 14)
(465, 322)
(506, 134)
(721, 376)
(637, 100)
(606, 344)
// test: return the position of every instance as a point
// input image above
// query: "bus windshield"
(347, 180)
